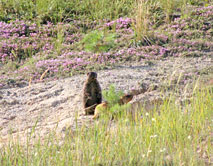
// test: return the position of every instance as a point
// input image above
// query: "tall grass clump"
(106, 9)
(59, 39)
(142, 20)
(168, 6)
(169, 136)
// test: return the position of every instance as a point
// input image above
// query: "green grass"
(60, 10)
(174, 137)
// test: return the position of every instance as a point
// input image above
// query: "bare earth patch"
(58, 104)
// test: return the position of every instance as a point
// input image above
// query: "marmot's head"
(126, 98)
(92, 75)
(105, 104)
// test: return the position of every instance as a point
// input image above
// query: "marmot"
(92, 95)
(125, 99)
(100, 108)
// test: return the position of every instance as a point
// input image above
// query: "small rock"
(10, 117)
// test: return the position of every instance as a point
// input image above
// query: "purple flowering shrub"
(20, 39)
(62, 48)
(15, 40)
(120, 23)
(191, 35)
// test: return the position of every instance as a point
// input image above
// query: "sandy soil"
(58, 104)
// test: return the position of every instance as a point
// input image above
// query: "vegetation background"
(42, 40)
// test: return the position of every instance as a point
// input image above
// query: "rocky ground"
(58, 104)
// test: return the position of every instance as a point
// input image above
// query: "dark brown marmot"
(92, 95)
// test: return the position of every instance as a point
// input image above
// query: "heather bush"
(78, 44)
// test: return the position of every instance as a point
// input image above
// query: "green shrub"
(112, 96)
(98, 41)
(114, 109)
